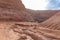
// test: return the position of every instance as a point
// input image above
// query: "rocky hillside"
(42, 15)
(53, 22)
(18, 23)
(13, 10)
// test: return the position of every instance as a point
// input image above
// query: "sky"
(42, 4)
(53, 4)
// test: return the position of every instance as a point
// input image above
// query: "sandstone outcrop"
(13, 10)
(15, 22)
(26, 31)
(42, 15)
(53, 22)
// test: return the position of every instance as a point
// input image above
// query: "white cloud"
(35, 4)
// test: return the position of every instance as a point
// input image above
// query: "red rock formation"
(53, 22)
(42, 15)
(13, 10)
(13, 4)
(26, 31)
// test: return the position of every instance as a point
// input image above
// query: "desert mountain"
(42, 15)
(53, 22)
(13, 10)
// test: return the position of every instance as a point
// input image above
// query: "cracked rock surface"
(21, 31)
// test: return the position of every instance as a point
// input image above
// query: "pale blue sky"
(54, 4)
(42, 4)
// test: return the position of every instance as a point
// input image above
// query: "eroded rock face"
(26, 31)
(13, 4)
(13, 10)
(53, 22)
(42, 15)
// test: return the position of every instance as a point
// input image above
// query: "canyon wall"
(13, 10)
(42, 15)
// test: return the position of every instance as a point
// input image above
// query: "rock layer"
(26, 31)
(53, 22)
(13, 10)
(42, 15)
(13, 4)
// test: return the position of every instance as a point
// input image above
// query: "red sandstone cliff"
(13, 10)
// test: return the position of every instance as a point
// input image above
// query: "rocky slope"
(53, 22)
(13, 10)
(42, 15)
(26, 31)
